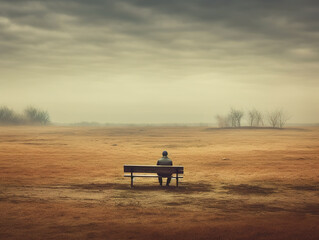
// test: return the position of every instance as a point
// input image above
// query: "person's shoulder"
(169, 161)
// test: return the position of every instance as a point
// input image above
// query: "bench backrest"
(154, 169)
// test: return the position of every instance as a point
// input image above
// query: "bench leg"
(177, 179)
(131, 179)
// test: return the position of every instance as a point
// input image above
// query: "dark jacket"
(164, 161)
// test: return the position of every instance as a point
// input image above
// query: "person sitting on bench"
(164, 161)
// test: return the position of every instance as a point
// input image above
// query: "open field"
(67, 183)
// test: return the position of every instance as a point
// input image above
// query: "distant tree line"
(255, 118)
(30, 116)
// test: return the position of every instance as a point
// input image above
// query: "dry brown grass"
(67, 183)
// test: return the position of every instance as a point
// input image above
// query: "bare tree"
(278, 119)
(273, 118)
(251, 117)
(36, 116)
(235, 117)
(222, 121)
(255, 118)
(9, 117)
(282, 119)
(259, 119)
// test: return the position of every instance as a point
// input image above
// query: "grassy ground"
(67, 183)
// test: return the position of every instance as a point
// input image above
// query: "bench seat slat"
(149, 176)
(153, 169)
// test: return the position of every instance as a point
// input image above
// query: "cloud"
(200, 35)
(156, 44)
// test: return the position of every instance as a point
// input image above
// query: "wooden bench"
(161, 169)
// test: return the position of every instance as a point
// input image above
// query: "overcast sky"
(160, 61)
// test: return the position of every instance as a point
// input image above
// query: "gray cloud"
(285, 22)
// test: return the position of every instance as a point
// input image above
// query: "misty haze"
(144, 62)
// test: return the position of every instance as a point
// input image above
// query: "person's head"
(165, 153)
